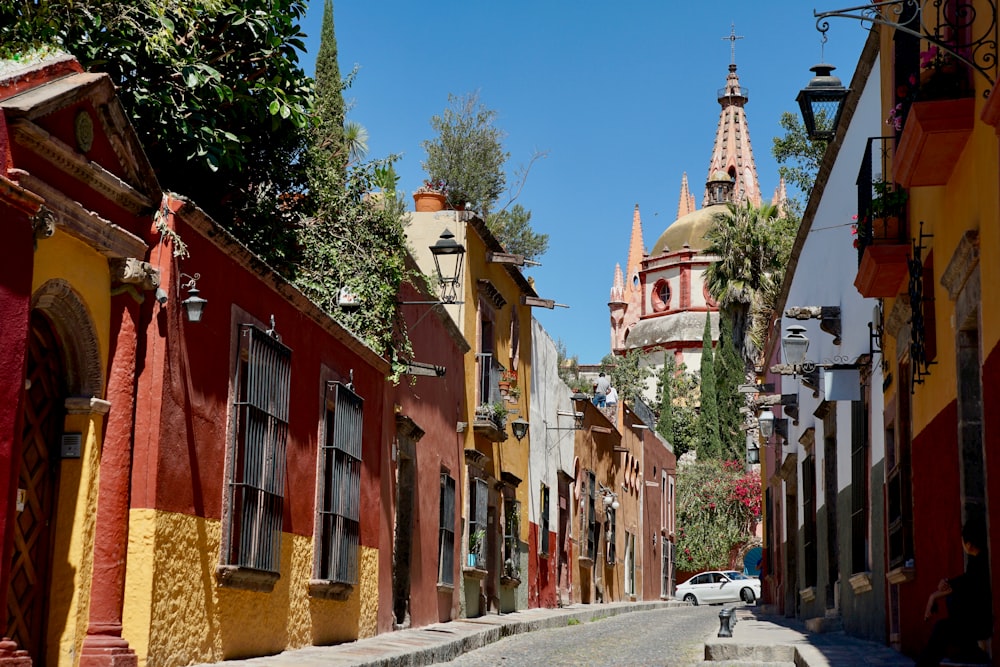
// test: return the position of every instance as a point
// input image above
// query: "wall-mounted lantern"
(448, 257)
(194, 305)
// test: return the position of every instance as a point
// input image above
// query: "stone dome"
(689, 229)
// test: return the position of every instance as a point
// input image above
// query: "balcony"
(883, 235)
(490, 419)
(933, 139)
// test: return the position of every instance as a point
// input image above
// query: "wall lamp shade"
(448, 257)
(520, 428)
(194, 305)
(821, 102)
(766, 423)
(795, 345)
(753, 455)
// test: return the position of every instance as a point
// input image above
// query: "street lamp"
(194, 305)
(766, 423)
(821, 102)
(520, 428)
(448, 257)
(795, 345)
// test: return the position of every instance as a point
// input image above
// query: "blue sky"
(621, 96)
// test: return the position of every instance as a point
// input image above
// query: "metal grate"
(257, 480)
(446, 541)
(340, 494)
(512, 538)
(809, 546)
(592, 526)
(478, 503)
(859, 487)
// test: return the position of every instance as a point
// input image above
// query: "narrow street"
(663, 637)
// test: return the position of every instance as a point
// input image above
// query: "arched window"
(661, 296)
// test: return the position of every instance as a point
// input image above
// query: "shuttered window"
(257, 456)
(446, 538)
(339, 507)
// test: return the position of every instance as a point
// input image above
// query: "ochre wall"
(182, 616)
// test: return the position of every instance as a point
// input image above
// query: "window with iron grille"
(512, 538)
(543, 522)
(611, 536)
(478, 502)
(809, 546)
(899, 493)
(338, 510)
(592, 526)
(859, 487)
(256, 487)
(446, 539)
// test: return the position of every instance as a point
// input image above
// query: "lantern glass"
(766, 423)
(194, 305)
(795, 345)
(821, 102)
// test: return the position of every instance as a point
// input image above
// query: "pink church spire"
(732, 153)
(686, 204)
(636, 251)
(618, 287)
(780, 199)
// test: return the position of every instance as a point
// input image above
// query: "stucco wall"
(176, 614)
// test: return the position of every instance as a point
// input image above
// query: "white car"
(719, 586)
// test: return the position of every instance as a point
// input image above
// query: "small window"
(255, 503)
(446, 539)
(478, 500)
(511, 537)
(661, 296)
(543, 522)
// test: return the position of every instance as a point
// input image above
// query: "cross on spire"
(732, 42)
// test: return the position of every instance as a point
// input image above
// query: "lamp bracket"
(941, 27)
(829, 317)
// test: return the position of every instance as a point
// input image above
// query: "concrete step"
(749, 653)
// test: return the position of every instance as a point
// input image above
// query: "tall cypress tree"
(328, 152)
(665, 419)
(710, 445)
(729, 375)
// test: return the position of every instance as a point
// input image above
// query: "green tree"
(677, 416)
(798, 156)
(512, 227)
(753, 245)
(709, 444)
(213, 88)
(718, 507)
(628, 374)
(730, 373)
(467, 153)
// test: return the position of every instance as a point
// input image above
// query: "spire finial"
(732, 42)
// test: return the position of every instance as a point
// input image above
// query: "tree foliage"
(628, 374)
(730, 373)
(512, 227)
(467, 153)
(753, 245)
(709, 444)
(718, 507)
(798, 156)
(677, 416)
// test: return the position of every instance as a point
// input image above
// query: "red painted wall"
(991, 443)
(16, 258)
(543, 570)
(436, 405)
(937, 522)
(182, 416)
(657, 459)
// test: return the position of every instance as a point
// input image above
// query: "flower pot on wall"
(932, 141)
(428, 202)
(883, 270)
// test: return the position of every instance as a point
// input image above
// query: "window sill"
(510, 582)
(475, 572)
(861, 582)
(585, 561)
(446, 588)
(330, 590)
(901, 575)
(246, 578)
(544, 554)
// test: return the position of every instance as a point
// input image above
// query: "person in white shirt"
(611, 400)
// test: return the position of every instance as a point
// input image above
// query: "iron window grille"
(592, 526)
(339, 507)
(611, 537)
(543, 522)
(478, 502)
(489, 378)
(446, 538)
(809, 546)
(859, 487)
(512, 538)
(257, 472)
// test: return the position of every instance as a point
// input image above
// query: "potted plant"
(430, 197)
(476, 540)
(498, 414)
(884, 213)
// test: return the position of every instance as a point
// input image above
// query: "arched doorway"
(45, 394)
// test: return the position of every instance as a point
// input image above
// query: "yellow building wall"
(175, 614)
(64, 257)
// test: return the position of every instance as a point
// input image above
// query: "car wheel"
(691, 599)
(747, 595)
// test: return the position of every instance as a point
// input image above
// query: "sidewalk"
(766, 638)
(757, 639)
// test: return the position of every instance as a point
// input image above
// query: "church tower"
(660, 302)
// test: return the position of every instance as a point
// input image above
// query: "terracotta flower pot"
(428, 202)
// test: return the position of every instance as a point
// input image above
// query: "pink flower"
(928, 57)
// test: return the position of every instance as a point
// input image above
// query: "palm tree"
(356, 141)
(753, 245)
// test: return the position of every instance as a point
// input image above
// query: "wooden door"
(27, 597)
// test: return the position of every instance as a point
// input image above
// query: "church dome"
(689, 229)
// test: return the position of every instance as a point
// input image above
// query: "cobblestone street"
(673, 637)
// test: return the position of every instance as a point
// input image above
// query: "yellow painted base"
(175, 614)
